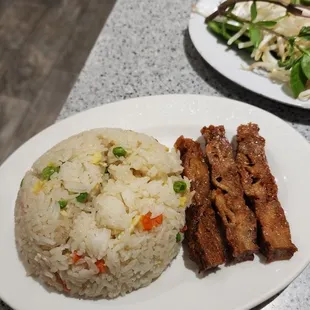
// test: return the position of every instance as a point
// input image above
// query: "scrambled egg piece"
(63, 212)
(104, 165)
(96, 190)
(120, 235)
(97, 157)
(182, 201)
(134, 222)
(37, 187)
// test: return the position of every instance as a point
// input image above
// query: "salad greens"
(249, 34)
(298, 79)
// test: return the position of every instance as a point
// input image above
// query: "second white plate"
(229, 61)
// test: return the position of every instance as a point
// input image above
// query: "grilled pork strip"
(202, 235)
(238, 220)
(260, 186)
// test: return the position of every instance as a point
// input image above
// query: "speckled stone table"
(144, 49)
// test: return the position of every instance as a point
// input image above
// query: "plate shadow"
(229, 89)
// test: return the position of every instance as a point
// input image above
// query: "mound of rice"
(98, 216)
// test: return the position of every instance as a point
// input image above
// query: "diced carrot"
(67, 290)
(146, 221)
(157, 220)
(149, 223)
(183, 229)
(75, 257)
(101, 266)
(60, 280)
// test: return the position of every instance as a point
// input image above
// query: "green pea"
(179, 186)
(21, 182)
(62, 203)
(178, 237)
(48, 171)
(119, 151)
(82, 197)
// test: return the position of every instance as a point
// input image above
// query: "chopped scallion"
(48, 171)
(62, 203)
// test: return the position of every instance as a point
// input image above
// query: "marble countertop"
(145, 49)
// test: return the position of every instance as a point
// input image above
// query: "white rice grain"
(64, 247)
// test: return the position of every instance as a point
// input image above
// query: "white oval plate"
(167, 117)
(229, 61)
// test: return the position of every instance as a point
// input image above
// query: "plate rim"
(268, 294)
(146, 98)
(195, 40)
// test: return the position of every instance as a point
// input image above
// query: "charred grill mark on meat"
(202, 235)
(260, 186)
(238, 220)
